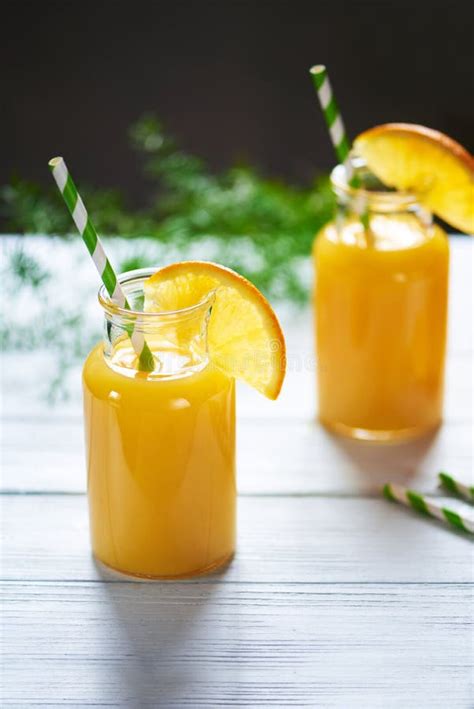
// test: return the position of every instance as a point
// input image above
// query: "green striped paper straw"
(91, 239)
(430, 508)
(456, 487)
(332, 116)
(339, 137)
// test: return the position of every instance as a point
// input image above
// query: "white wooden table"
(336, 598)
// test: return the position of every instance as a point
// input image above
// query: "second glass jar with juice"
(380, 300)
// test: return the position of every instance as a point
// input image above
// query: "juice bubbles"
(380, 302)
(160, 447)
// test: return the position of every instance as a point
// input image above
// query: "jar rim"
(396, 198)
(140, 274)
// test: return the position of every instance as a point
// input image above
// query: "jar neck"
(381, 219)
(177, 339)
(357, 201)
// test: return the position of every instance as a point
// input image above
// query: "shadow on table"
(378, 463)
(162, 629)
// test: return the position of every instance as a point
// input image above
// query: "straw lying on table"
(91, 239)
(430, 508)
(456, 487)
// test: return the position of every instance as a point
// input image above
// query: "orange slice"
(414, 158)
(245, 338)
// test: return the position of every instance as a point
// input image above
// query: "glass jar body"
(160, 454)
(380, 304)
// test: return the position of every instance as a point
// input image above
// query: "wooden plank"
(285, 540)
(213, 645)
(280, 456)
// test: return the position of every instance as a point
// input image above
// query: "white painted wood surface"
(336, 598)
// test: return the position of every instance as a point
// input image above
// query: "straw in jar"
(94, 245)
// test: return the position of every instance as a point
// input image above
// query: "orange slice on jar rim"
(245, 339)
(426, 162)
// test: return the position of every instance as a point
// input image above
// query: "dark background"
(230, 79)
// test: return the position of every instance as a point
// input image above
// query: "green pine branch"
(275, 221)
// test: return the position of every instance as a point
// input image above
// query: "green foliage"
(29, 209)
(26, 269)
(263, 228)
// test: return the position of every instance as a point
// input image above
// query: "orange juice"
(381, 307)
(160, 451)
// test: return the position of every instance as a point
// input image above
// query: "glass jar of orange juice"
(380, 301)
(160, 445)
